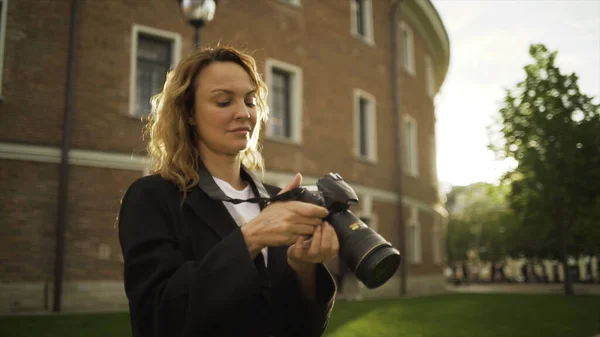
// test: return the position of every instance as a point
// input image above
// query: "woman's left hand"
(321, 248)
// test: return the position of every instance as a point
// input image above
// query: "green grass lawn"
(455, 315)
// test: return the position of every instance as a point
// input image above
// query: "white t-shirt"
(243, 212)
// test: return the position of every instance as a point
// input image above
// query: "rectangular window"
(3, 18)
(433, 160)
(365, 213)
(411, 159)
(285, 101)
(371, 221)
(153, 52)
(280, 116)
(359, 14)
(414, 236)
(408, 49)
(429, 76)
(153, 63)
(366, 219)
(436, 243)
(362, 19)
(365, 126)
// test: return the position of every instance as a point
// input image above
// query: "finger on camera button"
(321, 212)
(316, 241)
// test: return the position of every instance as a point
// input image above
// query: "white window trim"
(365, 202)
(295, 3)
(371, 126)
(436, 244)
(296, 100)
(429, 77)
(175, 57)
(374, 223)
(408, 65)
(368, 19)
(411, 167)
(415, 255)
(2, 38)
(433, 160)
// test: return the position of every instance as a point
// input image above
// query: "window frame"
(433, 160)
(367, 19)
(371, 128)
(175, 58)
(366, 211)
(408, 49)
(411, 157)
(429, 77)
(296, 100)
(415, 250)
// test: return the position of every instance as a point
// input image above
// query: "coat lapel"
(212, 212)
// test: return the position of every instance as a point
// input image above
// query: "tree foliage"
(552, 130)
(481, 221)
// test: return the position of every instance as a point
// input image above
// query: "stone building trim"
(121, 161)
(48, 154)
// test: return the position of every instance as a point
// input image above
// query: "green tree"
(459, 240)
(479, 220)
(552, 130)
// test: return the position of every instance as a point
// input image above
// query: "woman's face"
(225, 109)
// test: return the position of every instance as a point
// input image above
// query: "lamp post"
(198, 13)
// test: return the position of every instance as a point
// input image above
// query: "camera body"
(331, 192)
(368, 255)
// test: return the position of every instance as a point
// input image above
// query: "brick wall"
(34, 77)
(92, 249)
(315, 37)
(28, 209)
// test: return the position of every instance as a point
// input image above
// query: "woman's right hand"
(281, 223)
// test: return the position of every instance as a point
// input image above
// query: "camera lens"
(370, 257)
(378, 266)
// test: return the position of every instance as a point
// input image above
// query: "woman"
(197, 263)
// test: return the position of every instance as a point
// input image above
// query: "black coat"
(188, 272)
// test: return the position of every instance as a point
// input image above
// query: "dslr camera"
(368, 255)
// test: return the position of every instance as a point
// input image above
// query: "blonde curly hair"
(172, 145)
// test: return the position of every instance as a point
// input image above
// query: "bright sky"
(489, 43)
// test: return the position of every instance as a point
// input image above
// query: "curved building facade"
(352, 87)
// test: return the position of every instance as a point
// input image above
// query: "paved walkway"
(580, 289)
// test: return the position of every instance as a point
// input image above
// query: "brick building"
(334, 97)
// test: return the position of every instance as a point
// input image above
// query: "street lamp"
(198, 13)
